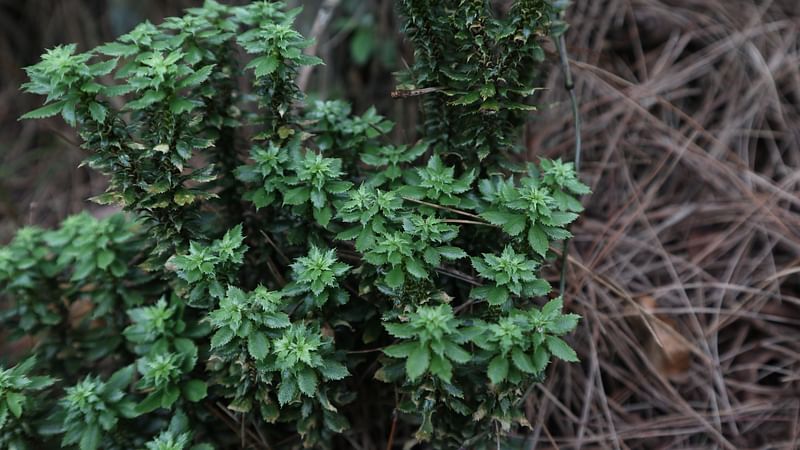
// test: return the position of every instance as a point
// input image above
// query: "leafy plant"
(282, 270)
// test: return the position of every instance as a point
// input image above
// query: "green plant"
(329, 278)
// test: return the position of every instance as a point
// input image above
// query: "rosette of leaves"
(431, 342)
(247, 321)
(416, 250)
(523, 341)
(177, 436)
(20, 396)
(90, 410)
(510, 273)
(318, 180)
(161, 325)
(307, 364)
(392, 160)
(165, 376)
(317, 275)
(371, 210)
(304, 358)
(542, 205)
(26, 265)
(207, 268)
(339, 133)
(266, 172)
(437, 183)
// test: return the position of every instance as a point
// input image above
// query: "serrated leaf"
(263, 65)
(197, 78)
(287, 391)
(416, 268)
(417, 362)
(221, 337)
(522, 361)
(45, 111)
(511, 223)
(400, 350)
(498, 369)
(540, 359)
(538, 241)
(561, 349)
(296, 196)
(452, 252)
(395, 277)
(257, 345)
(333, 370)
(307, 381)
(15, 401)
(98, 112)
(117, 49)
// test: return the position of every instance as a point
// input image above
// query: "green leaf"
(496, 295)
(522, 361)
(257, 345)
(307, 381)
(287, 391)
(296, 196)
(221, 337)
(402, 350)
(105, 258)
(333, 370)
(264, 65)
(417, 362)
(197, 78)
(540, 359)
(511, 223)
(195, 390)
(150, 403)
(442, 368)
(416, 268)
(498, 369)
(45, 111)
(553, 307)
(323, 215)
(452, 252)
(15, 401)
(98, 112)
(395, 278)
(117, 49)
(90, 437)
(537, 239)
(361, 45)
(146, 100)
(561, 349)
(455, 353)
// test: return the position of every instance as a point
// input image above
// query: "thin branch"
(569, 85)
(324, 14)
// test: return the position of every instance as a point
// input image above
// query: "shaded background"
(686, 265)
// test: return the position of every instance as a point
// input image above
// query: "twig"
(414, 92)
(324, 14)
(569, 85)
(390, 441)
(434, 205)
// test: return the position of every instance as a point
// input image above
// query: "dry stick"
(456, 211)
(324, 14)
(569, 85)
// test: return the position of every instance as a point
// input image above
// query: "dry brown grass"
(686, 266)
